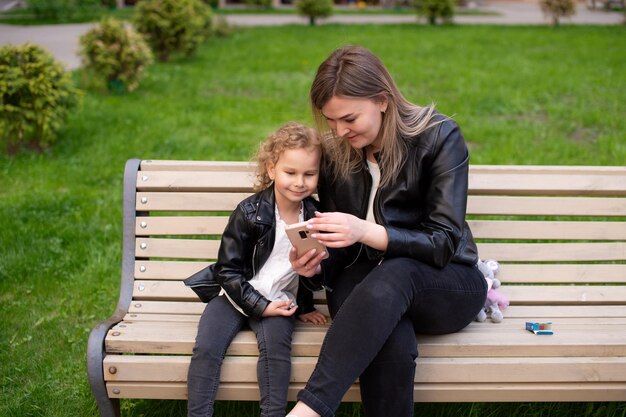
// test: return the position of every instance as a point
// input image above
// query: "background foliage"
(314, 9)
(173, 26)
(116, 53)
(435, 10)
(64, 10)
(36, 94)
(522, 95)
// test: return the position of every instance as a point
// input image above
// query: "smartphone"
(300, 238)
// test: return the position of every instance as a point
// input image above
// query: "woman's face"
(357, 120)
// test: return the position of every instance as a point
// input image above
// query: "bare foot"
(302, 410)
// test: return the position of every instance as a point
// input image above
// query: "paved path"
(62, 40)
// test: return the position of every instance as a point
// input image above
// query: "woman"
(403, 261)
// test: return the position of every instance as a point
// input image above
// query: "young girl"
(257, 280)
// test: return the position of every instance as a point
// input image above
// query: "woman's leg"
(274, 365)
(387, 383)
(396, 289)
(218, 325)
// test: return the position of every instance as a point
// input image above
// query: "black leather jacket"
(423, 210)
(251, 230)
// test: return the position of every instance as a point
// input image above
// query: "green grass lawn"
(522, 95)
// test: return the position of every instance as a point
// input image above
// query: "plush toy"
(496, 301)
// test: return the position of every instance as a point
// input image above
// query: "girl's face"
(357, 120)
(295, 175)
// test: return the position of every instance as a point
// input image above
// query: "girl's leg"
(274, 365)
(396, 289)
(218, 325)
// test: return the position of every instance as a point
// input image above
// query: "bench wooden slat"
(545, 206)
(177, 248)
(211, 166)
(525, 311)
(538, 230)
(481, 229)
(195, 181)
(553, 252)
(171, 270)
(187, 165)
(484, 183)
(562, 273)
(491, 341)
(509, 273)
(180, 226)
(512, 322)
(548, 169)
(547, 184)
(518, 294)
(428, 370)
(170, 201)
(536, 312)
(505, 252)
(466, 392)
(476, 205)
(498, 183)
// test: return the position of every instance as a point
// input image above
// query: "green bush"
(116, 52)
(555, 9)
(37, 94)
(64, 10)
(314, 9)
(173, 26)
(221, 28)
(435, 9)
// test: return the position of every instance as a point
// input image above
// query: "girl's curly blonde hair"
(292, 135)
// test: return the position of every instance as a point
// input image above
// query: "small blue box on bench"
(539, 328)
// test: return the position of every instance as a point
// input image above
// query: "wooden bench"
(558, 232)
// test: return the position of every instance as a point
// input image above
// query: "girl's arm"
(236, 248)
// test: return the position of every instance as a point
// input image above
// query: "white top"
(375, 173)
(276, 280)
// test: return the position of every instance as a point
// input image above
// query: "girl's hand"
(279, 308)
(308, 264)
(314, 317)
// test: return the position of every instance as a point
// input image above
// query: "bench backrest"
(562, 227)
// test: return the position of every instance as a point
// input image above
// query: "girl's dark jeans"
(219, 324)
(377, 310)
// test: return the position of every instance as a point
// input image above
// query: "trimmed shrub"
(116, 52)
(37, 94)
(65, 10)
(555, 9)
(173, 26)
(314, 9)
(435, 9)
(221, 28)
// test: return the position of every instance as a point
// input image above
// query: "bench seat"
(559, 234)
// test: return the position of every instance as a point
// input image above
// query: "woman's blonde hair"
(292, 135)
(354, 71)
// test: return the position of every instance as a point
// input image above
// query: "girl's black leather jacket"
(423, 210)
(251, 230)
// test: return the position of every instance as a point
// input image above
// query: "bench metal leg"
(109, 407)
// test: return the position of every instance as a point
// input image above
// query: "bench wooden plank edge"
(478, 392)
(110, 406)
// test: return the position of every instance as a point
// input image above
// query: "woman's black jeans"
(219, 324)
(377, 310)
